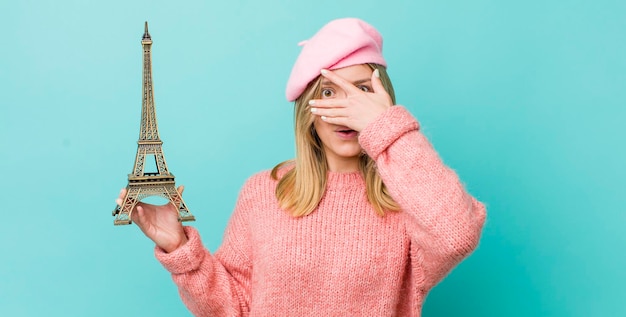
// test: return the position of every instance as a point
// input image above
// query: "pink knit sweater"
(343, 259)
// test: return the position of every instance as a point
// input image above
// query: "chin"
(350, 153)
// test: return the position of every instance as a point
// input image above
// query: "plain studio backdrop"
(526, 100)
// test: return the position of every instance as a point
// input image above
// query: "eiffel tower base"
(138, 190)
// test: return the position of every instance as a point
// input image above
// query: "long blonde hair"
(301, 188)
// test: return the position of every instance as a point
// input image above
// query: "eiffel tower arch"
(142, 183)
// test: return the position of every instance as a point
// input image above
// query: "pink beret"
(340, 43)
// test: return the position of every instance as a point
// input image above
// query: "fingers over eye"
(377, 83)
(338, 80)
(334, 120)
(327, 112)
(326, 103)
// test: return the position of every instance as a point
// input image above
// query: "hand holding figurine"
(159, 223)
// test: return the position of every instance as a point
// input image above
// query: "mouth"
(346, 132)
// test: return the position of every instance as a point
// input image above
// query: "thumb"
(138, 216)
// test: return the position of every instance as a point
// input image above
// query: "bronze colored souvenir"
(141, 183)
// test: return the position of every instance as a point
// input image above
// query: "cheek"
(322, 128)
(318, 124)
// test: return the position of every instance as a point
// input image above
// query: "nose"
(341, 94)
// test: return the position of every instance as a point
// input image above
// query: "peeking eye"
(364, 88)
(327, 93)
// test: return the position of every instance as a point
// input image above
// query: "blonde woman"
(363, 222)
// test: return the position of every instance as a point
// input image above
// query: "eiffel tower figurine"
(142, 184)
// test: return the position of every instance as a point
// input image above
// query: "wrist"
(171, 247)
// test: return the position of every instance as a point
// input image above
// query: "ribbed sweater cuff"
(386, 129)
(187, 257)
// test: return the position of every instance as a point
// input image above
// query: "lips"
(346, 133)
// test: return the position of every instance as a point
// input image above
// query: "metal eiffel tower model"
(142, 184)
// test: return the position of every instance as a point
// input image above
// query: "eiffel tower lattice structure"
(142, 184)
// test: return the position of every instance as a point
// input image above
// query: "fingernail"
(324, 118)
(311, 102)
(324, 71)
(376, 73)
(313, 110)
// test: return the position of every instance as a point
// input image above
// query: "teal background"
(524, 99)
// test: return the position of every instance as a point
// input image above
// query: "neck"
(343, 165)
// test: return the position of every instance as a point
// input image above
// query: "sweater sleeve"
(443, 221)
(213, 285)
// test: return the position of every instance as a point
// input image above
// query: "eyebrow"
(358, 82)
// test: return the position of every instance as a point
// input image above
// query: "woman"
(363, 222)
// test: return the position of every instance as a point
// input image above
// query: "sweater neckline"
(343, 180)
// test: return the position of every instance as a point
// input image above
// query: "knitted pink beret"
(340, 43)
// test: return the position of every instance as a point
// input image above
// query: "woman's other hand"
(353, 99)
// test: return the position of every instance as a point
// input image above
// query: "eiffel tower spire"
(149, 130)
(142, 183)
(146, 35)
